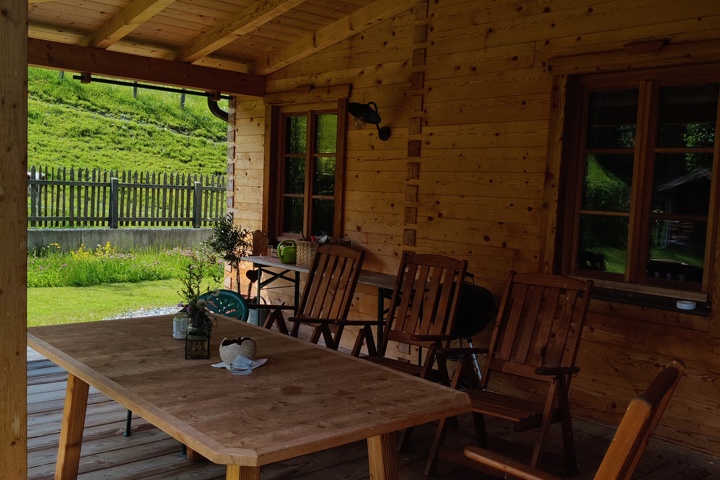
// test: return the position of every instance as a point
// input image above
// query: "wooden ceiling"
(221, 45)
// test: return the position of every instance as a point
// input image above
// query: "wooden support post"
(114, 203)
(13, 222)
(197, 205)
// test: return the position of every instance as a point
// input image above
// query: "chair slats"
(327, 295)
(535, 339)
(628, 444)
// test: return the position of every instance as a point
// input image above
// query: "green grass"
(86, 285)
(96, 125)
(49, 306)
(85, 267)
(103, 126)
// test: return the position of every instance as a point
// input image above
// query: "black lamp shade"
(367, 112)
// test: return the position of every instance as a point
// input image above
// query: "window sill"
(648, 301)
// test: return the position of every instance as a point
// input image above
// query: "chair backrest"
(425, 298)
(638, 425)
(539, 325)
(226, 302)
(331, 282)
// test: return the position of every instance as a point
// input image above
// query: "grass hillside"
(71, 124)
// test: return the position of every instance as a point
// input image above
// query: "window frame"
(572, 171)
(273, 208)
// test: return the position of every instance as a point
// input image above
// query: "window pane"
(682, 183)
(294, 175)
(293, 215)
(324, 182)
(605, 237)
(296, 135)
(677, 250)
(322, 217)
(608, 179)
(326, 135)
(612, 119)
(687, 116)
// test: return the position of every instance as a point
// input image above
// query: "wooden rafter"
(120, 65)
(124, 22)
(240, 24)
(340, 30)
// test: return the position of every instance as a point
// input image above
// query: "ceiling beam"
(344, 28)
(96, 61)
(124, 22)
(63, 35)
(239, 24)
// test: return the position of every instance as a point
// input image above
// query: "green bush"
(104, 265)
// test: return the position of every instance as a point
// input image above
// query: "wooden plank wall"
(467, 170)
(13, 223)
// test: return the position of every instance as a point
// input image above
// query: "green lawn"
(48, 306)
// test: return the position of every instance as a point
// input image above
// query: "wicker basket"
(305, 252)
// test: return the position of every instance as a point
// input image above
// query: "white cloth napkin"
(241, 365)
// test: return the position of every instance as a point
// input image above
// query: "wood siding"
(471, 167)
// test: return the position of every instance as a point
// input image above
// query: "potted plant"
(199, 328)
(232, 243)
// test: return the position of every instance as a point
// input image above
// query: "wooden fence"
(100, 198)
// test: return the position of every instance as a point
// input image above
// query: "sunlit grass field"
(53, 305)
(86, 285)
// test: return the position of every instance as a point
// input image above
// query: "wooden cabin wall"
(464, 85)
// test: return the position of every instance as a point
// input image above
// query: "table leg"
(240, 472)
(71, 431)
(382, 456)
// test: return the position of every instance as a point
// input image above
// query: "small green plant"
(232, 242)
(200, 264)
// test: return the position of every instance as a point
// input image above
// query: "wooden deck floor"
(150, 454)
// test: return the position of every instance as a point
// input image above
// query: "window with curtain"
(640, 169)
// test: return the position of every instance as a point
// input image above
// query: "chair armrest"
(557, 371)
(506, 465)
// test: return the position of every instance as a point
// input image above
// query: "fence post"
(114, 204)
(197, 205)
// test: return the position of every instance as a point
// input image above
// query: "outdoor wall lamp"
(365, 113)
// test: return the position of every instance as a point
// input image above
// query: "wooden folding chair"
(422, 311)
(326, 298)
(627, 447)
(422, 314)
(534, 344)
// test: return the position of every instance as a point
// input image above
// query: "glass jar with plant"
(200, 264)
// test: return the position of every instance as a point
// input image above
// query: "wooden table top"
(367, 277)
(306, 398)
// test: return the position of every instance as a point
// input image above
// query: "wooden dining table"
(304, 399)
